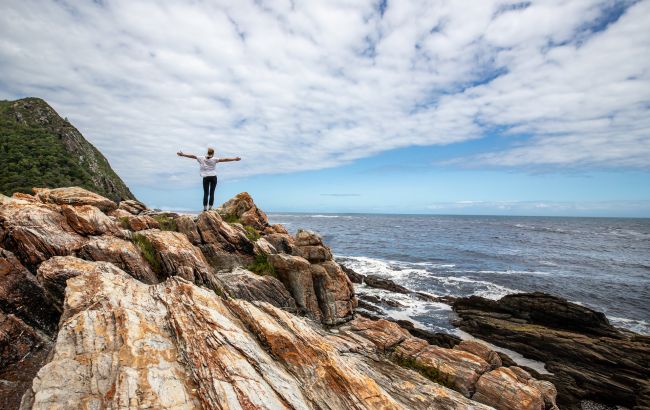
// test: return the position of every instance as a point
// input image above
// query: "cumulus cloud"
(292, 85)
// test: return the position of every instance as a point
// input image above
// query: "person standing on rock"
(207, 166)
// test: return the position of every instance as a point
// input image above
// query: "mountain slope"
(39, 148)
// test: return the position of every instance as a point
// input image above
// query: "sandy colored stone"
(122, 253)
(141, 222)
(295, 273)
(481, 350)
(243, 208)
(264, 247)
(35, 232)
(89, 220)
(384, 334)
(335, 292)
(501, 389)
(132, 206)
(74, 196)
(186, 225)
(243, 284)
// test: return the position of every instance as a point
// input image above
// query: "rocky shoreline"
(107, 305)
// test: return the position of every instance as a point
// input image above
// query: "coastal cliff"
(115, 305)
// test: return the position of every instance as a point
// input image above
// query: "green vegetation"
(251, 233)
(124, 222)
(166, 223)
(429, 372)
(148, 252)
(262, 266)
(40, 149)
(231, 219)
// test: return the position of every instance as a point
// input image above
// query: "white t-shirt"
(208, 166)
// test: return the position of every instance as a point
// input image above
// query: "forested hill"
(38, 148)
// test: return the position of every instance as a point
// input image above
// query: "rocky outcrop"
(74, 196)
(132, 206)
(481, 350)
(140, 222)
(503, 390)
(174, 345)
(225, 245)
(295, 274)
(242, 209)
(589, 358)
(122, 253)
(36, 232)
(89, 220)
(243, 284)
(186, 225)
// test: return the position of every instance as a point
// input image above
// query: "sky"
(444, 107)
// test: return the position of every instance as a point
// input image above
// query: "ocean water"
(602, 263)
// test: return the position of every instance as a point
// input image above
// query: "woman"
(207, 166)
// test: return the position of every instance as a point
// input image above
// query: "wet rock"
(35, 232)
(482, 351)
(123, 254)
(378, 282)
(132, 206)
(89, 220)
(501, 389)
(242, 208)
(174, 345)
(352, 275)
(74, 196)
(243, 284)
(54, 273)
(22, 295)
(589, 359)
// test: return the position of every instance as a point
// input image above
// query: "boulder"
(22, 295)
(244, 284)
(35, 232)
(138, 223)
(119, 214)
(276, 228)
(282, 243)
(588, 358)
(123, 254)
(501, 389)
(378, 282)
(384, 334)
(482, 351)
(185, 224)
(264, 247)
(230, 238)
(453, 368)
(175, 345)
(54, 273)
(132, 206)
(295, 273)
(89, 220)
(74, 196)
(243, 208)
(334, 292)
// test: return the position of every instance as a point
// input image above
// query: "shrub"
(251, 233)
(231, 219)
(148, 251)
(429, 372)
(166, 223)
(262, 266)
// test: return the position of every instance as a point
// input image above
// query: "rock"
(174, 255)
(453, 368)
(264, 247)
(174, 345)
(89, 220)
(121, 253)
(501, 389)
(54, 273)
(132, 206)
(308, 238)
(119, 214)
(334, 292)
(6, 200)
(352, 275)
(74, 196)
(141, 223)
(482, 351)
(436, 339)
(276, 228)
(295, 273)
(244, 209)
(243, 284)
(314, 254)
(282, 243)
(384, 334)
(185, 224)
(548, 391)
(22, 295)
(35, 232)
(588, 358)
(225, 245)
(378, 282)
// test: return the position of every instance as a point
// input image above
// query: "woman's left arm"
(229, 159)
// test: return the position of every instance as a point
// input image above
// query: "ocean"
(602, 263)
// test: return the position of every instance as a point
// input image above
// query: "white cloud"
(295, 86)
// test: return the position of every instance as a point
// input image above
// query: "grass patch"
(148, 252)
(232, 219)
(262, 266)
(124, 222)
(251, 233)
(166, 223)
(430, 373)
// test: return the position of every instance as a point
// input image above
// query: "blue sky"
(431, 106)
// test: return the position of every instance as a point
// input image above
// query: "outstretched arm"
(229, 159)
(180, 154)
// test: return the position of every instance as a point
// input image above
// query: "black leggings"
(209, 184)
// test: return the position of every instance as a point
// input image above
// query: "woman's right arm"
(180, 154)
